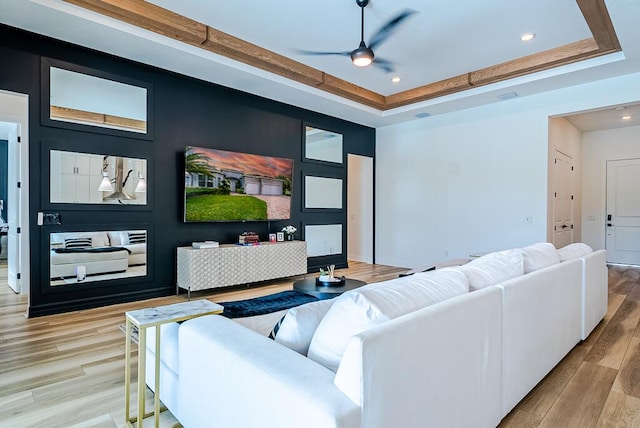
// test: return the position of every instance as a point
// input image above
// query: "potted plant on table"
(289, 231)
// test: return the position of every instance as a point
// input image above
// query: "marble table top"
(172, 313)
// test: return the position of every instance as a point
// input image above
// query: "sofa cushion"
(300, 323)
(494, 268)
(137, 237)
(373, 304)
(81, 242)
(538, 256)
(573, 251)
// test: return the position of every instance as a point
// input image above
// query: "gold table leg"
(142, 354)
(127, 372)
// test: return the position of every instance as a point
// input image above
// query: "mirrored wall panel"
(84, 178)
(323, 240)
(322, 192)
(322, 145)
(90, 100)
(79, 257)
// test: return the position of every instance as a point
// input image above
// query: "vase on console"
(289, 232)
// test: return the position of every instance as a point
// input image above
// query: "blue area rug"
(266, 304)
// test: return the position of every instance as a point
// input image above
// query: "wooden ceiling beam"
(597, 16)
(248, 53)
(427, 92)
(562, 55)
(150, 17)
(352, 92)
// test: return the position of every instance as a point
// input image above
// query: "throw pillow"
(494, 268)
(574, 251)
(297, 327)
(373, 304)
(137, 237)
(84, 242)
(538, 256)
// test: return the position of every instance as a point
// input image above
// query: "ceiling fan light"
(362, 57)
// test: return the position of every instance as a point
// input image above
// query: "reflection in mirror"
(78, 257)
(323, 240)
(90, 100)
(84, 178)
(322, 145)
(322, 192)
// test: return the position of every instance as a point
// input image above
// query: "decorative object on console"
(249, 238)
(280, 236)
(272, 237)
(206, 244)
(289, 231)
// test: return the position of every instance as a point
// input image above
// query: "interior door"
(623, 212)
(360, 208)
(563, 200)
(13, 214)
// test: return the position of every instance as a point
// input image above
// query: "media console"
(228, 264)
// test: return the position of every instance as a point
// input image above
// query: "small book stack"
(249, 238)
(205, 244)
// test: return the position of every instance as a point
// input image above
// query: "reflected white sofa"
(63, 265)
(386, 355)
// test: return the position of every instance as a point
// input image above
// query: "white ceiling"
(442, 40)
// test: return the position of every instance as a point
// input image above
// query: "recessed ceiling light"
(508, 96)
(421, 115)
(626, 117)
(395, 79)
(527, 36)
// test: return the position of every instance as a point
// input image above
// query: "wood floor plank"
(519, 419)
(619, 411)
(628, 379)
(612, 344)
(583, 400)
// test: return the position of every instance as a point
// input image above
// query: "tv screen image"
(230, 186)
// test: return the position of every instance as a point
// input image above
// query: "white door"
(13, 214)
(360, 208)
(14, 114)
(562, 200)
(623, 212)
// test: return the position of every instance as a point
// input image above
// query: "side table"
(155, 317)
(309, 286)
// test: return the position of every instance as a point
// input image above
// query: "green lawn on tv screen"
(225, 208)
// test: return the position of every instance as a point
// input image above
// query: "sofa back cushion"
(98, 239)
(494, 268)
(298, 325)
(361, 309)
(573, 251)
(539, 256)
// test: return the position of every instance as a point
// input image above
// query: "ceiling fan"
(363, 55)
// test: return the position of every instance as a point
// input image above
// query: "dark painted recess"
(185, 111)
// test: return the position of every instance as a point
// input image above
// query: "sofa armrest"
(435, 367)
(232, 376)
(595, 290)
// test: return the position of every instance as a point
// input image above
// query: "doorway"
(14, 130)
(622, 239)
(360, 208)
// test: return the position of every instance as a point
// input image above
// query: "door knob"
(564, 226)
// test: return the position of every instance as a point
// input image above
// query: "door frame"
(14, 108)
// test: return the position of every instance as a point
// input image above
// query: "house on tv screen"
(237, 182)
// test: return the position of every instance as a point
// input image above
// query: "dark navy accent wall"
(185, 111)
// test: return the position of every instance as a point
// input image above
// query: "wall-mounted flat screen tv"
(229, 186)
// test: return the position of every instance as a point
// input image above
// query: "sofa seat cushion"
(574, 251)
(373, 304)
(494, 268)
(538, 256)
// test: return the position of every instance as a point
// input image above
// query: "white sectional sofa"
(453, 347)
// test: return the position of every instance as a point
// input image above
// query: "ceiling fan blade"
(383, 64)
(387, 29)
(303, 52)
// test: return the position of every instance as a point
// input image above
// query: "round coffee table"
(309, 286)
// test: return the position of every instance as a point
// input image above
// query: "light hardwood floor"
(68, 370)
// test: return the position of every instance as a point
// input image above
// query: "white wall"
(598, 148)
(464, 182)
(567, 139)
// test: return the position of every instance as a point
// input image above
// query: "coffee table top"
(309, 286)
